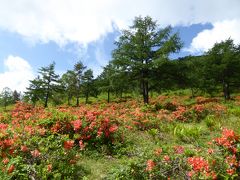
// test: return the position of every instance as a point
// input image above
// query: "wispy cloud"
(220, 31)
(81, 21)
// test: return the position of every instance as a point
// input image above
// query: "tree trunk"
(69, 98)
(86, 100)
(193, 95)
(5, 105)
(77, 104)
(121, 93)
(226, 91)
(145, 92)
(46, 100)
(47, 96)
(108, 99)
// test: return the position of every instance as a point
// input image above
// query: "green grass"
(142, 144)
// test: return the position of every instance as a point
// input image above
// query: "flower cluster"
(229, 144)
(200, 167)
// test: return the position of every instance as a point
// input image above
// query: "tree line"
(8, 97)
(141, 64)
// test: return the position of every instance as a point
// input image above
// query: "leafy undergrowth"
(174, 137)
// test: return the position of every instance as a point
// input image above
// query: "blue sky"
(35, 33)
(95, 55)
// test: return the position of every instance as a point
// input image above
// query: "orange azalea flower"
(158, 151)
(198, 164)
(76, 124)
(5, 161)
(230, 171)
(81, 144)
(24, 148)
(11, 169)
(210, 151)
(11, 151)
(113, 128)
(42, 131)
(72, 161)
(35, 153)
(68, 144)
(150, 165)
(190, 173)
(8, 142)
(179, 149)
(49, 167)
(166, 158)
(129, 127)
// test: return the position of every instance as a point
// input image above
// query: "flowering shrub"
(180, 114)
(158, 166)
(200, 168)
(37, 143)
(229, 145)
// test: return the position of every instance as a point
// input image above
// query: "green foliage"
(235, 111)
(6, 97)
(44, 86)
(176, 135)
(78, 69)
(88, 84)
(141, 49)
(187, 133)
(210, 121)
(69, 83)
(222, 66)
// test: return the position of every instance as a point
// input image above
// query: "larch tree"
(222, 66)
(141, 48)
(44, 86)
(87, 83)
(78, 69)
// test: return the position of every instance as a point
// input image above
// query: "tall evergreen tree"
(141, 48)
(69, 83)
(44, 86)
(35, 91)
(6, 97)
(87, 83)
(107, 79)
(50, 81)
(223, 65)
(16, 96)
(78, 69)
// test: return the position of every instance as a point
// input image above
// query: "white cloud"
(17, 73)
(84, 21)
(220, 32)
